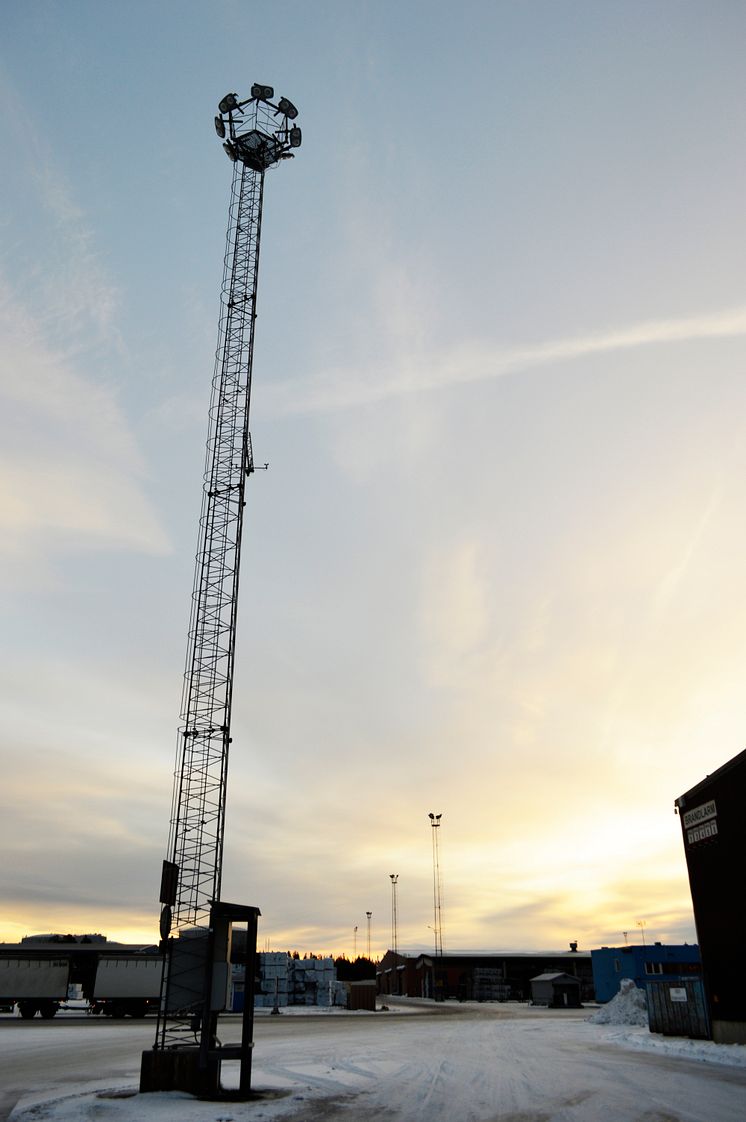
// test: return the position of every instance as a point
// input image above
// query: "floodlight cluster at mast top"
(257, 131)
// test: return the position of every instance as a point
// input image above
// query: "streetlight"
(641, 924)
(354, 943)
(437, 885)
(368, 915)
(394, 877)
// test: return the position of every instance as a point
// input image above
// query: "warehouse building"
(475, 976)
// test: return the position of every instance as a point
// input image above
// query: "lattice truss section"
(198, 811)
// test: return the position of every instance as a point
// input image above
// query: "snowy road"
(459, 1064)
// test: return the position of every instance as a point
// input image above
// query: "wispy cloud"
(70, 468)
(74, 298)
(468, 362)
(69, 463)
(673, 578)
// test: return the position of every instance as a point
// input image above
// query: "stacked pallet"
(274, 979)
(284, 980)
(314, 981)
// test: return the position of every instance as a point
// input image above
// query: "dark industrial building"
(503, 976)
(713, 824)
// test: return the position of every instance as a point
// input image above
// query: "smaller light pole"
(368, 915)
(437, 884)
(394, 933)
(641, 925)
(394, 918)
(354, 943)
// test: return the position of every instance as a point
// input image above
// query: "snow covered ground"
(459, 1064)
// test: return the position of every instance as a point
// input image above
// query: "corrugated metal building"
(713, 824)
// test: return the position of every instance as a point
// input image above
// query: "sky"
(494, 570)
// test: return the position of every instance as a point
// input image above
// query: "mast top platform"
(258, 132)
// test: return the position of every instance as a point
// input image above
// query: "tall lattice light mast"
(437, 884)
(258, 134)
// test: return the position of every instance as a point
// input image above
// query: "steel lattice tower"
(437, 884)
(258, 134)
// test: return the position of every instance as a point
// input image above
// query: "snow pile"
(629, 1007)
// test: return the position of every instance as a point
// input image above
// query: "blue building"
(642, 964)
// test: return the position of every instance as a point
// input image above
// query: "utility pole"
(368, 915)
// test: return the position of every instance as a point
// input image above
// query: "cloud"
(455, 594)
(69, 464)
(672, 580)
(71, 473)
(72, 295)
(467, 363)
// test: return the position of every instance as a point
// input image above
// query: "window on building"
(653, 967)
(617, 965)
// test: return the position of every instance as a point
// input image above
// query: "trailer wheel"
(118, 1011)
(48, 1009)
(27, 1009)
(138, 1009)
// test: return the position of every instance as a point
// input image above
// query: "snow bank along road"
(446, 1064)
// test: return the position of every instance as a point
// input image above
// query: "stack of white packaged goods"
(284, 980)
(339, 994)
(314, 981)
(274, 979)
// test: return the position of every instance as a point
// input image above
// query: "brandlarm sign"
(701, 823)
(699, 814)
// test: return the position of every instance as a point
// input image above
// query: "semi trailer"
(34, 985)
(127, 986)
(116, 980)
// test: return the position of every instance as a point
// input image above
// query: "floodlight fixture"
(286, 106)
(251, 136)
(230, 101)
(262, 93)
